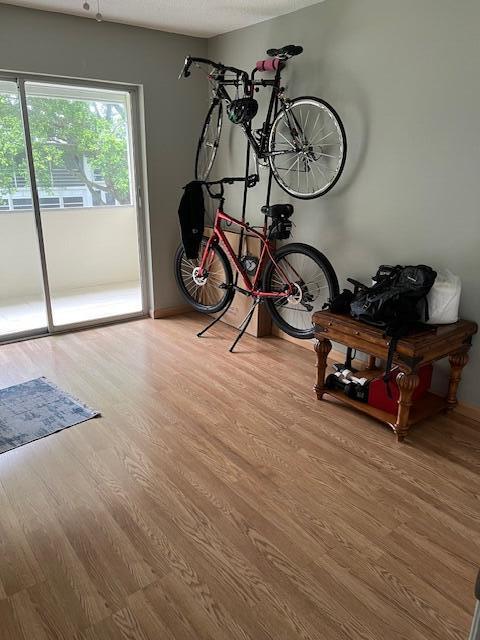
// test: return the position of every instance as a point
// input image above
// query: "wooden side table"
(452, 341)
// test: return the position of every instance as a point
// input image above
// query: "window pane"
(80, 141)
(22, 303)
(14, 178)
(82, 160)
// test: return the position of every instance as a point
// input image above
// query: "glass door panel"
(82, 151)
(22, 300)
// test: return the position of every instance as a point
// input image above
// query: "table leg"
(457, 362)
(407, 383)
(322, 348)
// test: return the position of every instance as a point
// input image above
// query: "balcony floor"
(76, 305)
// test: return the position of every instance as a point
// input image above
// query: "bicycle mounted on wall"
(303, 140)
(297, 279)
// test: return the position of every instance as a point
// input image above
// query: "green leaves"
(12, 154)
(78, 135)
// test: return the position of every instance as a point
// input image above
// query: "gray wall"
(404, 78)
(56, 44)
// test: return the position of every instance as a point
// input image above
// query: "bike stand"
(215, 320)
(243, 325)
(245, 322)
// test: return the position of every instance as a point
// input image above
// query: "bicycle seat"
(276, 211)
(288, 51)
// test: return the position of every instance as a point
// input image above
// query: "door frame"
(138, 200)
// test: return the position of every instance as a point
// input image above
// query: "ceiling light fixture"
(98, 16)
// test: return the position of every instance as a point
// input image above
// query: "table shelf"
(429, 405)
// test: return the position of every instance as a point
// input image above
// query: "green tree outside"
(66, 133)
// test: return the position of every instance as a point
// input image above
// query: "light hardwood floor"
(218, 499)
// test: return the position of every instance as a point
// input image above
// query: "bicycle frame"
(259, 146)
(251, 285)
(250, 84)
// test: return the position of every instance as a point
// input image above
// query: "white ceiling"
(203, 18)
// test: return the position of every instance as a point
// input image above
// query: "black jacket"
(191, 213)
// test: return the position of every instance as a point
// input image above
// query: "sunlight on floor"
(77, 305)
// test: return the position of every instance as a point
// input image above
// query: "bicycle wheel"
(209, 140)
(314, 281)
(211, 292)
(309, 148)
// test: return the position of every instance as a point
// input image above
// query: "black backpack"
(396, 302)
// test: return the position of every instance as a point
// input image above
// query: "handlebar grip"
(185, 72)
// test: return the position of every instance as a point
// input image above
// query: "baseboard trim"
(167, 312)
(468, 411)
(305, 344)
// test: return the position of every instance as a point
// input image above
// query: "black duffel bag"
(396, 302)
(396, 299)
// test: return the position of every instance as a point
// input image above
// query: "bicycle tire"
(277, 306)
(337, 128)
(203, 174)
(184, 284)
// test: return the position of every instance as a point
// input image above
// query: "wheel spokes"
(208, 290)
(307, 147)
(303, 271)
(209, 143)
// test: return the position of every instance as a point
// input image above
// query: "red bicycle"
(293, 281)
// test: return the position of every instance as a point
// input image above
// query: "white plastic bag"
(444, 298)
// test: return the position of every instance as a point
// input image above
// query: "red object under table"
(378, 392)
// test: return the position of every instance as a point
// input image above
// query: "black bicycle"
(302, 139)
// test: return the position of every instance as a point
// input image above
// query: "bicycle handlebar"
(185, 72)
(250, 180)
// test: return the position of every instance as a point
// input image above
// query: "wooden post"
(323, 347)
(457, 362)
(407, 383)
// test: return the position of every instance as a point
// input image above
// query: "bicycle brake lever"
(185, 72)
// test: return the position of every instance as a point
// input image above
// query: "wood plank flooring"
(217, 499)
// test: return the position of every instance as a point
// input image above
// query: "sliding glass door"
(77, 200)
(23, 308)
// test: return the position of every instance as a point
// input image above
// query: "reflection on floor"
(75, 305)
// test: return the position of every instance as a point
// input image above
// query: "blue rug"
(35, 409)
